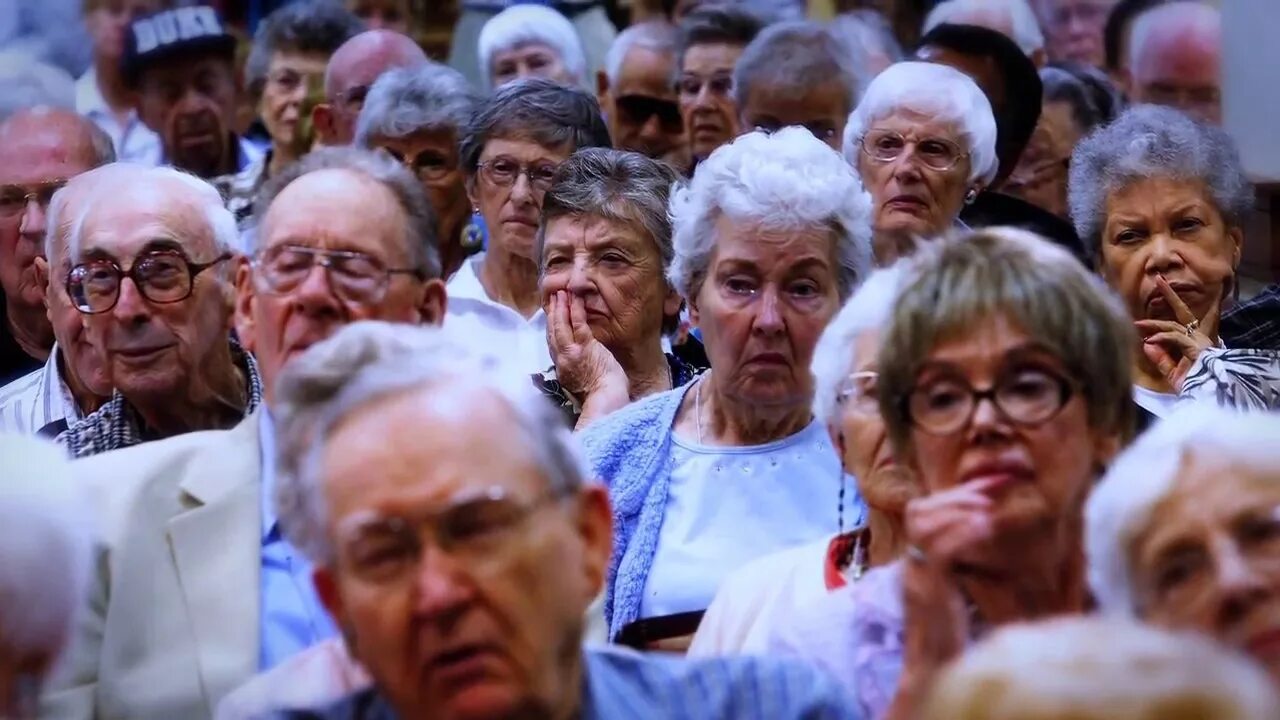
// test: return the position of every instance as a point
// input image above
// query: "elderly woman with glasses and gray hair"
(1005, 388)
(770, 236)
(923, 139)
(1161, 202)
(604, 249)
(417, 116)
(1184, 530)
(509, 153)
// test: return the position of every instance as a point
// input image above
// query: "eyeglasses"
(638, 109)
(14, 199)
(354, 277)
(719, 85)
(858, 392)
(353, 97)
(426, 165)
(819, 130)
(503, 171)
(163, 277)
(1026, 397)
(936, 153)
(478, 532)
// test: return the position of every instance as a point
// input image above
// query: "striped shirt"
(37, 399)
(622, 684)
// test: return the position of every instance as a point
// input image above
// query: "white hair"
(27, 83)
(870, 308)
(1018, 14)
(521, 25)
(656, 35)
(1121, 505)
(1197, 15)
(787, 180)
(370, 361)
(44, 548)
(940, 92)
(1095, 668)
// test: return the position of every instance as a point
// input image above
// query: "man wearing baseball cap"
(182, 64)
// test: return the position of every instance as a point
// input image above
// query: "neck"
(30, 329)
(111, 84)
(216, 404)
(280, 159)
(511, 280)
(87, 400)
(1035, 589)
(730, 421)
(888, 542)
(647, 370)
(1147, 375)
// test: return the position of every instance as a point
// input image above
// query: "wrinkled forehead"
(337, 209)
(33, 151)
(153, 213)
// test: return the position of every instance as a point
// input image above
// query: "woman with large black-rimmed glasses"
(1004, 383)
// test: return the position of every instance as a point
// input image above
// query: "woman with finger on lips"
(923, 140)
(1161, 201)
(1007, 408)
(604, 248)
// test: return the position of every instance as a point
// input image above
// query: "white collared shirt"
(134, 141)
(37, 399)
(474, 317)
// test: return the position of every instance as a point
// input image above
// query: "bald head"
(1175, 54)
(350, 73)
(36, 140)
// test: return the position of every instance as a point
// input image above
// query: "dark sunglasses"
(637, 109)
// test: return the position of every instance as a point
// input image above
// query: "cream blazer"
(172, 622)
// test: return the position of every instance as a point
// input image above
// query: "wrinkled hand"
(1168, 345)
(583, 364)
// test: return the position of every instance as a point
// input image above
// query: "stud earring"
(970, 196)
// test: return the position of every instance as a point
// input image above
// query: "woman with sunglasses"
(509, 154)
(1007, 407)
(923, 138)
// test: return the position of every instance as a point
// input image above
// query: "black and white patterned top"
(546, 382)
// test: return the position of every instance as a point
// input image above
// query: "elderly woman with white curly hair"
(923, 140)
(531, 41)
(44, 567)
(1184, 530)
(1161, 201)
(770, 237)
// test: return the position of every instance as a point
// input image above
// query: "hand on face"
(1174, 346)
(583, 365)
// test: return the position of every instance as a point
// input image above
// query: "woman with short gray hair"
(531, 41)
(770, 237)
(1005, 388)
(417, 116)
(603, 248)
(1160, 201)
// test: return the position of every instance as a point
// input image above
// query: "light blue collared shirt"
(292, 617)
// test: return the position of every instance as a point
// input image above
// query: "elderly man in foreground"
(460, 573)
(197, 589)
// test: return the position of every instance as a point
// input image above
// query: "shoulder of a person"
(829, 620)
(366, 704)
(620, 427)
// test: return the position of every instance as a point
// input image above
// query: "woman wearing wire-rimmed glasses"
(1005, 388)
(923, 138)
(510, 153)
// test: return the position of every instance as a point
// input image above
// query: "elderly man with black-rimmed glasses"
(204, 590)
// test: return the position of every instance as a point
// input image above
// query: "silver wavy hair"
(405, 101)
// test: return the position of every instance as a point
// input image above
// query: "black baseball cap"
(164, 35)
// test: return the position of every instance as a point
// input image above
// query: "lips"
(768, 359)
(139, 354)
(458, 666)
(1185, 290)
(1001, 472)
(910, 203)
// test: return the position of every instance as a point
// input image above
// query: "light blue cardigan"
(628, 451)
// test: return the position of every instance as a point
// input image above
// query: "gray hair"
(1150, 141)
(799, 53)
(960, 281)
(307, 26)
(57, 222)
(1121, 505)
(420, 242)
(541, 111)
(939, 92)
(657, 36)
(865, 33)
(1023, 24)
(717, 24)
(834, 357)
(44, 548)
(369, 361)
(618, 186)
(405, 101)
(1092, 667)
(521, 25)
(788, 180)
(1093, 99)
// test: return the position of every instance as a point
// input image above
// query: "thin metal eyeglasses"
(161, 276)
(503, 171)
(477, 531)
(936, 153)
(858, 390)
(15, 198)
(1026, 397)
(353, 277)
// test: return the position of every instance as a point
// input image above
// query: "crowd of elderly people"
(742, 368)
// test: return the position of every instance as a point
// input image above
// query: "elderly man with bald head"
(40, 149)
(352, 70)
(198, 590)
(1175, 59)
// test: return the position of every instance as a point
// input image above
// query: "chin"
(485, 702)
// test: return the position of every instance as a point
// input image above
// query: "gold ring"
(1192, 326)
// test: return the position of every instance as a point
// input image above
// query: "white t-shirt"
(727, 506)
(474, 318)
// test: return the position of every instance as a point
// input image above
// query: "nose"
(315, 293)
(906, 168)
(440, 590)
(769, 319)
(652, 127)
(580, 283)
(987, 422)
(32, 226)
(522, 189)
(131, 306)
(1240, 586)
(1164, 253)
(704, 97)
